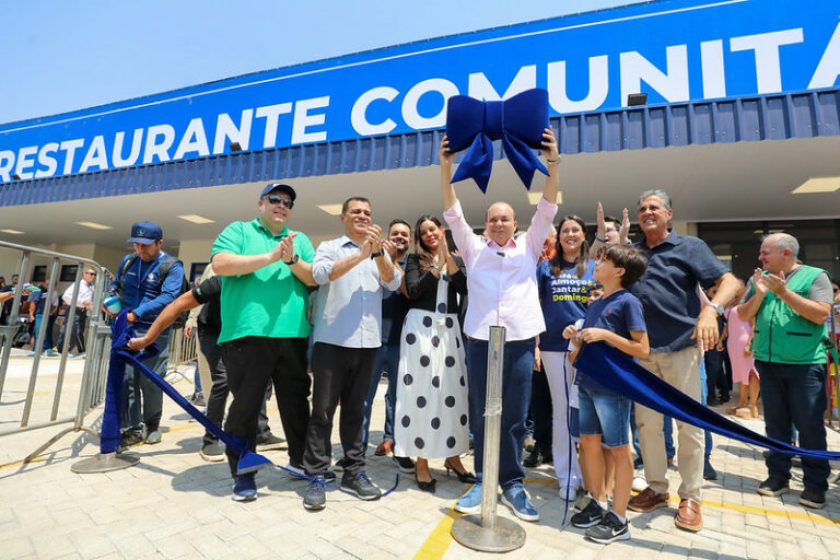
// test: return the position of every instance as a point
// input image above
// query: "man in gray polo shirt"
(352, 272)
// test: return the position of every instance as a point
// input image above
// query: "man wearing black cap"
(266, 270)
(147, 281)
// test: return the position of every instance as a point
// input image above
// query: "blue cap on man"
(145, 233)
(280, 187)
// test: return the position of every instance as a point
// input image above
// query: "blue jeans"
(387, 360)
(48, 336)
(517, 373)
(606, 414)
(704, 398)
(142, 398)
(795, 395)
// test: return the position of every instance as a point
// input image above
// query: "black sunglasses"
(277, 199)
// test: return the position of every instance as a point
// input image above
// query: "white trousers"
(561, 375)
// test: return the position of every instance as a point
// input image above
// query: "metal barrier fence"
(182, 350)
(97, 345)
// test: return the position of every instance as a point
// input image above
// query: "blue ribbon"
(620, 373)
(121, 332)
(519, 122)
(298, 473)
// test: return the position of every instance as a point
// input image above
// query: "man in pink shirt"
(502, 287)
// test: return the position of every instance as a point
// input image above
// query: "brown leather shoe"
(648, 500)
(384, 448)
(689, 517)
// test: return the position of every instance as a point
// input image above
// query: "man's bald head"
(500, 224)
(778, 252)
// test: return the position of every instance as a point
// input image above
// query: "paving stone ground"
(175, 505)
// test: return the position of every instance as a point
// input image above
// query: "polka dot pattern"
(431, 402)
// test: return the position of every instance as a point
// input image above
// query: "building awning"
(744, 119)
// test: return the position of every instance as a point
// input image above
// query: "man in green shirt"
(265, 269)
(790, 303)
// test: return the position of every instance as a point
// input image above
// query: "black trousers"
(715, 375)
(76, 331)
(541, 411)
(340, 374)
(251, 363)
(218, 394)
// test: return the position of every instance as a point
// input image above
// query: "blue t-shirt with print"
(563, 299)
(620, 312)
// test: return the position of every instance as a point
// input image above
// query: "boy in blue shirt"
(604, 416)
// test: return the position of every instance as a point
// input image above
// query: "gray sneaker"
(773, 487)
(213, 452)
(315, 498)
(270, 442)
(812, 498)
(609, 530)
(361, 486)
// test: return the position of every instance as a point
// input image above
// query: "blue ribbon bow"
(519, 122)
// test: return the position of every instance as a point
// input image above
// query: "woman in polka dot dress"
(431, 409)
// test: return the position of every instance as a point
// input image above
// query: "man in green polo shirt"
(265, 269)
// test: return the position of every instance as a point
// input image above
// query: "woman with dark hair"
(564, 282)
(431, 411)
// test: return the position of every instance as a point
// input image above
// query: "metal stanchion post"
(486, 532)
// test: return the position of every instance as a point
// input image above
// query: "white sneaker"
(639, 483)
(569, 493)
(153, 437)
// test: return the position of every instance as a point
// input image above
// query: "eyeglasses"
(276, 199)
(92, 273)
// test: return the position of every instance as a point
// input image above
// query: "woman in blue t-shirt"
(564, 283)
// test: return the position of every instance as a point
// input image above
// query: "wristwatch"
(717, 307)
(376, 254)
(294, 260)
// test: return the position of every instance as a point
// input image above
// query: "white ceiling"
(719, 182)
